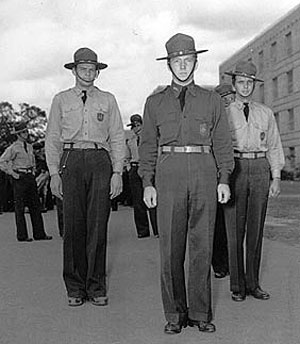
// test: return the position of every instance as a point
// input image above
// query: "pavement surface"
(34, 310)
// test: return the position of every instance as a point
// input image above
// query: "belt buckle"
(187, 149)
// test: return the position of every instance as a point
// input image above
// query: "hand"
(150, 196)
(41, 179)
(15, 175)
(274, 190)
(56, 186)
(223, 193)
(116, 185)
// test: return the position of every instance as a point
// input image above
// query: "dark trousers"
(86, 208)
(25, 193)
(245, 217)
(139, 207)
(60, 216)
(220, 250)
(186, 185)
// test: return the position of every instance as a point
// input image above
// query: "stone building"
(276, 54)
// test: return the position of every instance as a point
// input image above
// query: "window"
(275, 87)
(276, 115)
(292, 157)
(291, 124)
(261, 93)
(273, 52)
(289, 75)
(288, 43)
(261, 61)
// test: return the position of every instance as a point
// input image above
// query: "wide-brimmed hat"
(85, 55)
(245, 68)
(224, 89)
(19, 127)
(179, 45)
(135, 119)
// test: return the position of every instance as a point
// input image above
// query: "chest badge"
(203, 129)
(262, 135)
(100, 116)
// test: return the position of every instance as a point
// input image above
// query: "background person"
(257, 151)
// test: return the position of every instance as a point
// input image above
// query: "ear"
(196, 65)
(74, 71)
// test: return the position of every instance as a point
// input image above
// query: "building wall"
(276, 54)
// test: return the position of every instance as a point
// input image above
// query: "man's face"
(182, 66)
(85, 74)
(24, 135)
(137, 127)
(228, 99)
(244, 87)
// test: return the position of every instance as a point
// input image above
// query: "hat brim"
(243, 74)
(191, 53)
(15, 132)
(98, 65)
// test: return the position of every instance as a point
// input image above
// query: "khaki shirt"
(132, 144)
(15, 157)
(259, 134)
(203, 122)
(97, 121)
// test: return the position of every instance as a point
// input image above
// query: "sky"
(37, 37)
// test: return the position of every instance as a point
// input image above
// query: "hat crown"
(246, 68)
(180, 43)
(85, 54)
(224, 89)
(19, 127)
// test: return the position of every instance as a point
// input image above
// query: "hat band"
(245, 74)
(86, 61)
(181, 53)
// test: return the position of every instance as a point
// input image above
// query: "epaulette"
(158, 89)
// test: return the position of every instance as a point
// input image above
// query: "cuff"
(276, 174)
(224, 178)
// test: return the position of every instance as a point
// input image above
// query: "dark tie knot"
(84, 96)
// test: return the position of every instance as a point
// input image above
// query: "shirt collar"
(176, 89)
(78, 91)
(240, 105)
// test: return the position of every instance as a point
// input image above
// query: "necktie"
(84, 96)
(25, 146)
(246, 110)
(138, 140)
(182, 97)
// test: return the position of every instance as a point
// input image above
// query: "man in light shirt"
(258, 153)
(85, 149)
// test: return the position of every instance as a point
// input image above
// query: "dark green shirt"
(203, 121)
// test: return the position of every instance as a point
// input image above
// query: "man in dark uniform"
(85, 149)
(185, 143)
(220, 251)
(140, 210)
(18, 161)
(258, 152)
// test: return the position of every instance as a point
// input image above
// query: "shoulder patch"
(159, 89)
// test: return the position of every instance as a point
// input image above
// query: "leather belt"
(24, 170)
(186, 149)
(249, 155)
(81, 145)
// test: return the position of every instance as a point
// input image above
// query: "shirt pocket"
(71, 116)
(260, 129)
(200, 129)
(100, 114)
(168, 128)
(237, 131)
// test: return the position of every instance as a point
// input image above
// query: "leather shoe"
(203, 326)
(99, 300)
(46, 237)
(26, 240)
(238, 297)
(221, 274)
(259, 294)
(140, 236)
(171, 328)
(75, 301)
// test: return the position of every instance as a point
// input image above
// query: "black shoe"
(26, 240)
(140, 236)
(46, 237)
(203, 326)
(221, 274)
(171, 328)
(238, 297)
(259, 294)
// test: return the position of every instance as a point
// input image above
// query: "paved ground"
(33, 307)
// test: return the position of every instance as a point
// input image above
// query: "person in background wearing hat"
(136, 185)
(185, 143)
(220, 251)
(257, 151)
(85, 147)
(18, 161)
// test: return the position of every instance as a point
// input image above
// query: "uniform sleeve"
(6, 159)
(148, 149)
(116, 137)
(275, 154)
(53, 144)
(221, 140)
